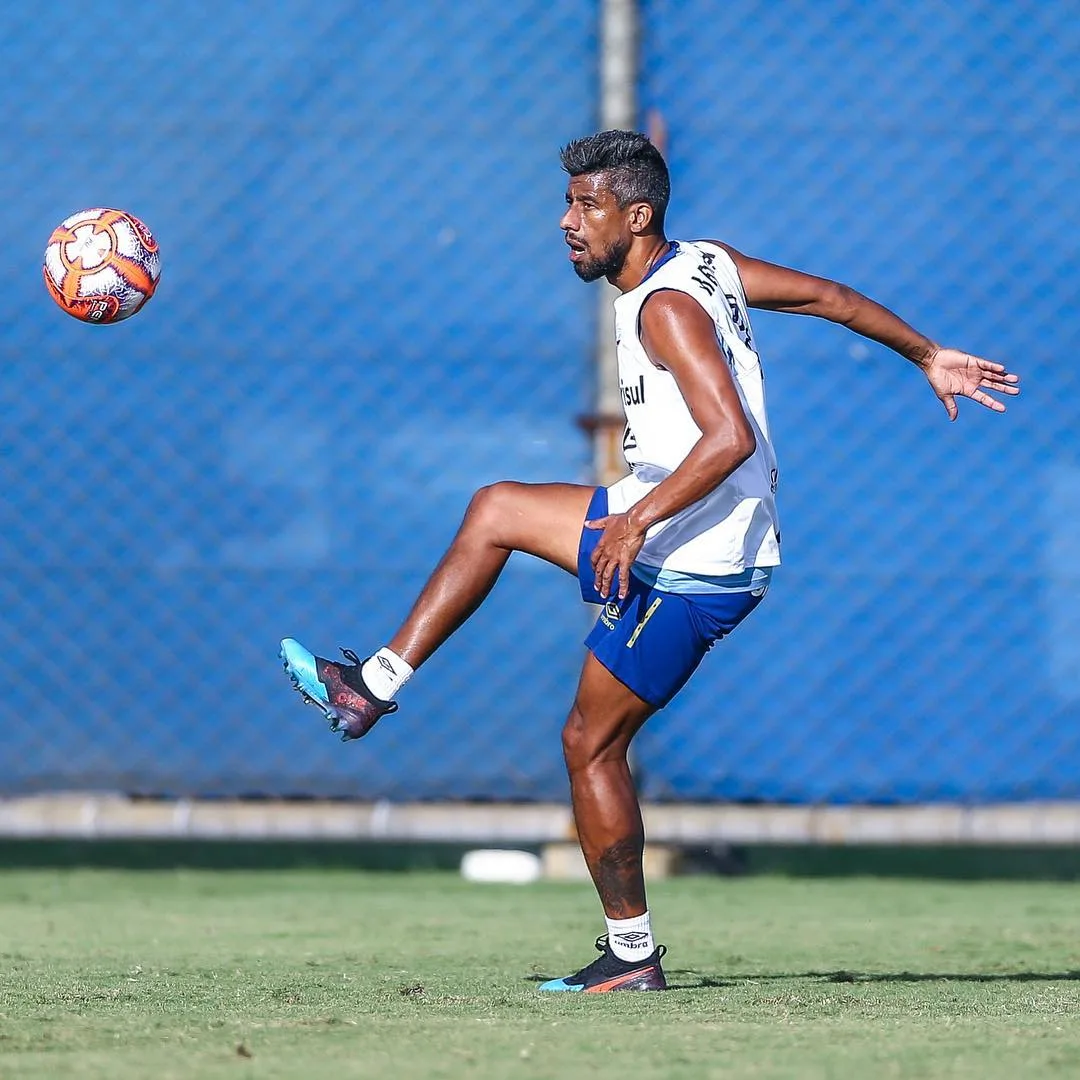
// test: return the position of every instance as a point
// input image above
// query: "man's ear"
(641, 215)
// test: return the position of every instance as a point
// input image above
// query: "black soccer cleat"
(337, 689)
(607, 972)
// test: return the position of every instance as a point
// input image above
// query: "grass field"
(312, 974)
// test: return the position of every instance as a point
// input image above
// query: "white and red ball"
(102, 265)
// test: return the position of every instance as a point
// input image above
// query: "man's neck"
(640, 259)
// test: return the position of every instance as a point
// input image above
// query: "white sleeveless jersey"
(735, 526)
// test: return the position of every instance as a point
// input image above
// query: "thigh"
(651, 642)
(544, 520)
(606, 713)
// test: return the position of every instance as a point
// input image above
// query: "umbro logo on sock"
(632, 939)
(386, 665)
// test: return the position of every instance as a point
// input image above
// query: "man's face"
(596, 230)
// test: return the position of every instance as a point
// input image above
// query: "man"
(680, 551)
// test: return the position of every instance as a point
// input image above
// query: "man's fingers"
(998, 371)
(602, 577)
(599, 523)
(998, 377)
(622, 569)
(950, 406)
(1000, 388)
(604, 585)
(985, 399)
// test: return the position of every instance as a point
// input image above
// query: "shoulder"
(670, 319)
(670, 301)
(683, 287)
(722, 253)
(726, 265)
(726, 248)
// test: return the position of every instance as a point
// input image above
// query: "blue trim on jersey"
(677, 581)
(668, 256)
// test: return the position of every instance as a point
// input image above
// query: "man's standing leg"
(596, 738)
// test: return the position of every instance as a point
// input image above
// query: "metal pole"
(619, 30)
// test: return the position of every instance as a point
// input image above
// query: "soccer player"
(678, 552)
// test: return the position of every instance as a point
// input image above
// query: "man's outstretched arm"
(951, 373)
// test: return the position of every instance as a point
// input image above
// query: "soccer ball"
(102, 265)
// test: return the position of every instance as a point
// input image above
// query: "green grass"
(337, 973)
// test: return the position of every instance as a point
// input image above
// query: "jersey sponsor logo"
(629, 440)
(633, 395)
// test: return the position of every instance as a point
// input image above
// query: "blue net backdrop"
(366, 313)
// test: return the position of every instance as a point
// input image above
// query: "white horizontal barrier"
(116, 817)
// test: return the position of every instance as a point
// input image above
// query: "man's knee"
(586, 743)
(489, 505)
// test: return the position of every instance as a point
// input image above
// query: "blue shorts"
(653, 641)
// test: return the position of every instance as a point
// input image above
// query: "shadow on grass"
(682, 979)
(691, 980)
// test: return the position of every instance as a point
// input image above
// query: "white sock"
(385, 674)
(630, 939)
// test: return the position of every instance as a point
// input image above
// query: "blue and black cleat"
(337, 689)
(607, 972)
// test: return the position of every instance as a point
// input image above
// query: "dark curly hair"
(636, 170)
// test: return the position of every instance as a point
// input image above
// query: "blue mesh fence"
(922, 639)
(365, 314)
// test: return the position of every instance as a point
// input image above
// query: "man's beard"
(608, 264)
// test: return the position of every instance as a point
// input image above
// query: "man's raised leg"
(544, 520)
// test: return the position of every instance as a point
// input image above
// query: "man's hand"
(951, 372)
(616, 550)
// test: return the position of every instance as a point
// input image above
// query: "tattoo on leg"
(619, 878)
